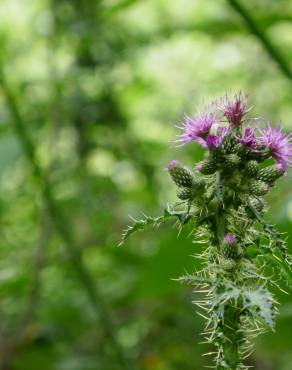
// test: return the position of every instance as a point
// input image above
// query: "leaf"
(281, 264)
(253, 252)
(270, 230)
(260, 302)
(276, 252)
(139, 225)
(142, 224)
(275, 257)
(231, 293)
(183, 216)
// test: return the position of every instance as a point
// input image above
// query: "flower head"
(230, 239)
(197, 129)
(233, 109)
(249, 138)
(279, 145)
(214, 141)
(181, 175)
(171, 164)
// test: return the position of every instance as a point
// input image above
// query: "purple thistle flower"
(171, 164)
(223, 131)
(233, 109)
(214, 141)
(249, 139)
(197, 129)
(281, 169)
(279, 145)
(230, 239)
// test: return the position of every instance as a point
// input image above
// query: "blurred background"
(90, 93)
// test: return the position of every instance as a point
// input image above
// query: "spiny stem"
(231, 340)
(231, 346)
(230, 324)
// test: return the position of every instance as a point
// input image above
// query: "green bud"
(216, 155)
(182, 176)
(258, 187)
(230, 251)
(231, 161)
(198, 186)
(252, 168)
(271, 173)
(230, 247)
(198, 183)
(184, 193)
(228, 264)
(208, 166)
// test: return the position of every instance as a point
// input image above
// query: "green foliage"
(260, 302)
(139, 225)
(100, 86)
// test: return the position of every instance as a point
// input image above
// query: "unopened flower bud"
(252, 168)
(230, 239)
(179, 174)
(271, 173)
(198, 183)
(231, 161)
(184, 193)
(229, 248)
(207, 167)
(259, 187)
(216, 155)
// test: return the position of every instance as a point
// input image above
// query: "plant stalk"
(229, 345)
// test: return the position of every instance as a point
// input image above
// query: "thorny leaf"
(142, 224)
(274, 258)
(230, 292)
(260, 302)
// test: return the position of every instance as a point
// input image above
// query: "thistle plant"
(222, 200)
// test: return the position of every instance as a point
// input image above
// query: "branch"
(60, 222)
(268, 45)
(123, 4)
(39, 264)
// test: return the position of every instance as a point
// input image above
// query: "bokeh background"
(90, 95)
